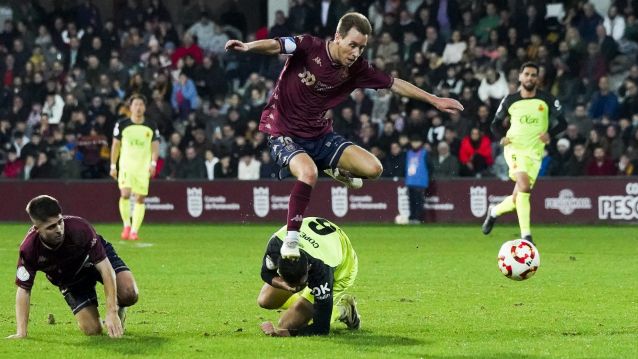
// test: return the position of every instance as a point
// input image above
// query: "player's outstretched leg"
(494, 212)
(348, 312)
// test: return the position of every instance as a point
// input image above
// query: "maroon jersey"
(63, 266)
(310, 84)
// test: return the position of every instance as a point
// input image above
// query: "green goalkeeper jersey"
(136, 139)
(529, 118)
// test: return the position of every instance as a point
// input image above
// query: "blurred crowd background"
(66, 72)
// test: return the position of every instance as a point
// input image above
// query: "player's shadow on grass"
(370, 339)
(128, 344)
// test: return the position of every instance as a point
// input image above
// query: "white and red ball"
(518, 259)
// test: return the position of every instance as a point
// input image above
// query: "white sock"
(292, 236)
(493, 212)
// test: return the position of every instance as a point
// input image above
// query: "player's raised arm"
(265, 47)
(23, 299)
(112, 322)
(443, 104)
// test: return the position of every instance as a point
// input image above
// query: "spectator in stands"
(173, 166)
(593, 67)
(68, 167)
(614, 23)
(43, 169)
(601, 165)
(95, 153)
(616, 144)
(387, 48)
(210, 161)
(486, 23)
(588, 21)
(193, 166)
(189, 47)
(627, 167)
(493, 87)
(604, 103)
(444, 164)
(453, 51)
(433, 43)
(301, 17)
(203, 30)
(268, 169)
(394, 165)
(184, 98)
(13, 165)
(29, 165)
(577, 164)
(580, 123)
(559, 161)
(249, 167)
(475, 154)
(629, 105)
(193, 12)
(225, 169)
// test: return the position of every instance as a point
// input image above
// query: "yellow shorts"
(137, 181)
(519, 161)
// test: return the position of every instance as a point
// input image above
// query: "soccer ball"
(518, 259)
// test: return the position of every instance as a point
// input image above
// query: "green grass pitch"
(423, 292)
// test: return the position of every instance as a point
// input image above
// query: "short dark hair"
(529, 64)
(43, 207)
(356, 20)
(136, 96)
(292, 270)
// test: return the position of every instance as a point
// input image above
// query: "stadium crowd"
(67, 72)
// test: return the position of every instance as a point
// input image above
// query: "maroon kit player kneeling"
(74, 258)
(318, 76)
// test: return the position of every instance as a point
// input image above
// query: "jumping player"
(318, 76)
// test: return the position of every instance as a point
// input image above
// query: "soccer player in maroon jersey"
(318, 76)
(74, 258)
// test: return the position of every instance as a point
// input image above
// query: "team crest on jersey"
(194, 201)
(317, 60)
(478, 200)
(541, 108)
(403, 202)
(339, 201)
(261, 202)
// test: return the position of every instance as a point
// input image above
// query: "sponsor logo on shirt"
(321, 292)
(317, 60)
